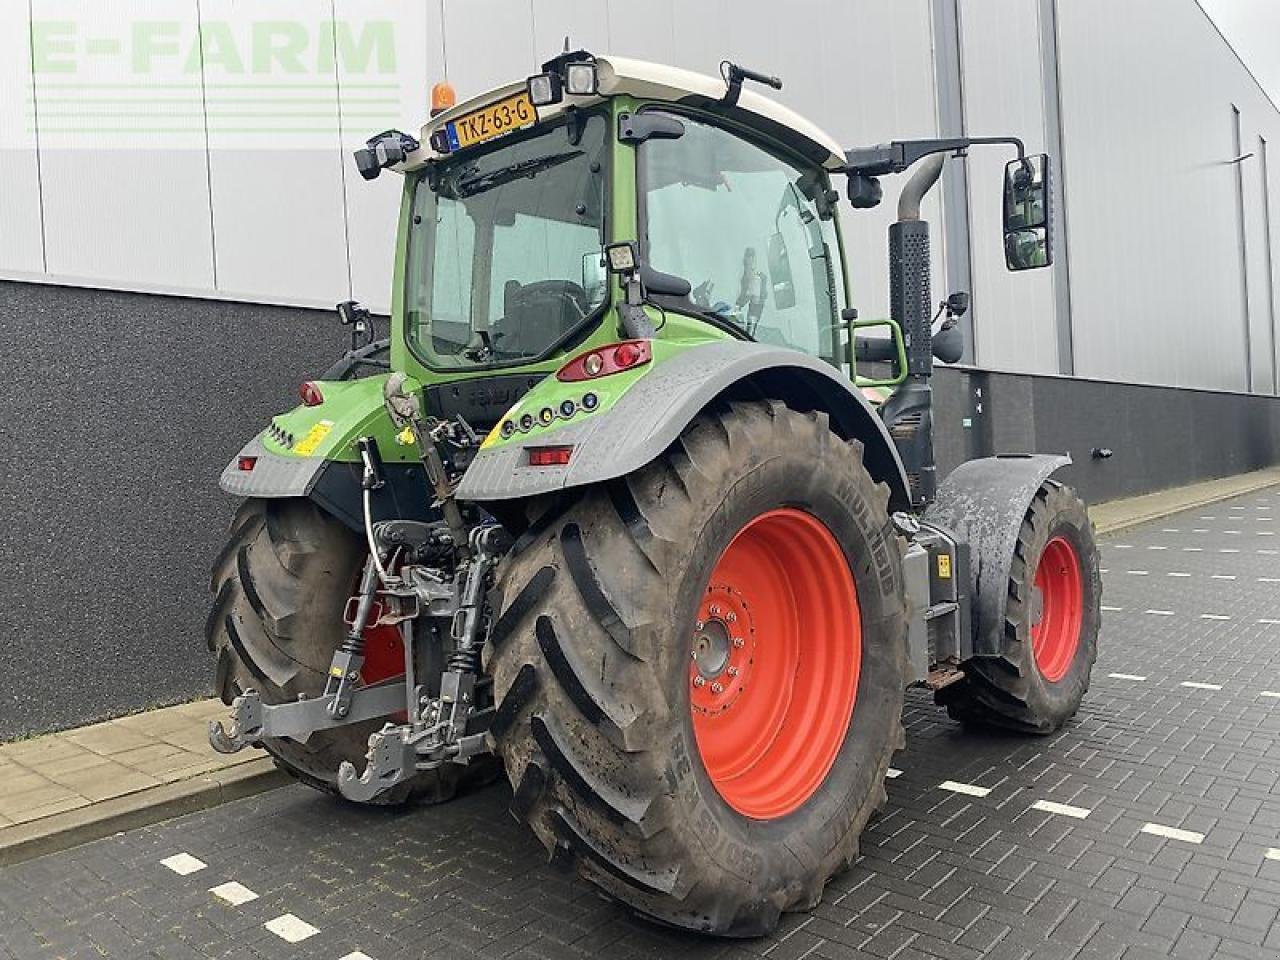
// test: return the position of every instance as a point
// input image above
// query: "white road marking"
(1197, 685)
(1273, 694)
(1193, 549)
(1234, 533)
(1268, 553)
(1214, 616)
(1228, 550)
(1169, 530)
(1157, 548)
(1224, 576)
(1122, 546)
(1266, 533)
(1138, 573)
(233, 893)
(1066, 810)
(1173, 833)
(893, 773)
(1269, 579)
(1208, 518)
(1103, 570)
(968, 789)
(358, 955)
(290, 929)
(1126, 676)
(1200, 530)
(183, 864)
(1273, 854)
(1272, 623)
(1112, 609)
(1159, 613)
(1177, 574)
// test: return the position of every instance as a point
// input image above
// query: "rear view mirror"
(1027, 213)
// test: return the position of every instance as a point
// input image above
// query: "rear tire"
(591, 659)
(281, 584)
(1052, 615)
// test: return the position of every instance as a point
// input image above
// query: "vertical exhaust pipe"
(908, 413)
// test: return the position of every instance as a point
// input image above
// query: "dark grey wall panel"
(119, 410)
(117, 413)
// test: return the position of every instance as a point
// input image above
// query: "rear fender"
(656, 407)
(982, 502)
(311, 452)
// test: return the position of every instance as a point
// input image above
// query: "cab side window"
(741, 225)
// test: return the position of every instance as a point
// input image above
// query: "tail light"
(245, 464)
(311, 395)
(549, 456)
(604, 361)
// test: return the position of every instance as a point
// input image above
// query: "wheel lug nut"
(717, 687)
(730, 618)
(699, 681)
(714, 610)
(698, 625)
(738, 642)
(733, 671)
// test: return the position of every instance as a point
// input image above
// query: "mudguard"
(983, 502)
(310, 452)
(654, 410)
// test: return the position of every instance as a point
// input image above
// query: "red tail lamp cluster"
(550, 456)
(604, 361)
(310, 393)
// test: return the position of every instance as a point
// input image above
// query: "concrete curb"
(25, 841)
(1119, 515)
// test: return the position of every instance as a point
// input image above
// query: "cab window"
(741, 224)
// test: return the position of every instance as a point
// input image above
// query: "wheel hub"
(723, 650)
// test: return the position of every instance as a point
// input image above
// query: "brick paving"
(1147, 828)
(59, 772)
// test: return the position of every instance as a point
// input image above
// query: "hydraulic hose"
(921, 182)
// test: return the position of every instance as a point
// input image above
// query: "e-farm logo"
(242, 76)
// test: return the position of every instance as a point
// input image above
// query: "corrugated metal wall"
(203, 147)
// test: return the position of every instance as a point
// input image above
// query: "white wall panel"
(489, 43)
(1013, 313)
(374, 99)
(122, 151)
(1147, 88)
(21, 245)
(274, 150)
(1261, 331)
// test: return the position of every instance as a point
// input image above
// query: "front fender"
(655, 408)
(983, 502)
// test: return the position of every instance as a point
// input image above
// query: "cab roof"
(653, 81)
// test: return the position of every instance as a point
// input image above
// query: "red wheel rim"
(1055, 635)
(776, 653)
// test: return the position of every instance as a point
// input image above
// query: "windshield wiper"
(470, 186)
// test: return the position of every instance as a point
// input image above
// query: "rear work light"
(604, 361)
(245, 464)
(549, 456)
(311, 395)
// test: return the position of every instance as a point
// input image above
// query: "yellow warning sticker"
(314, 437)
(944, 566)
(405, 437)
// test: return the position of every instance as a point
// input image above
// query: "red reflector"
(246, 463)
(606, 360)
(549, 456)
(311, 395)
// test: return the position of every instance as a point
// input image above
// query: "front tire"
(622, 763)
(1052, 615)
(281, 584)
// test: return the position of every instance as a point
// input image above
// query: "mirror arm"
(900, 155)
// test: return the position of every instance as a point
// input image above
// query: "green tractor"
(611, 511)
